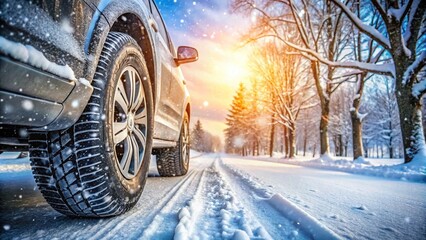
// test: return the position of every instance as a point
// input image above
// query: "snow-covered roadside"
(353, 206)
(298, 216)
(390, 168)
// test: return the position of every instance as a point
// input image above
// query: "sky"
(216, 32)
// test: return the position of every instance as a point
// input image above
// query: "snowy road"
(223, 197)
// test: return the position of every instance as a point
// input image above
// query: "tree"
(254, 127)
(404, 40)
(283, 76)
(308, 136)
(197, 137)
(309, 30)
(364, 50)
(236, 120)
(340, 127)
(382, 125)
(203, 141)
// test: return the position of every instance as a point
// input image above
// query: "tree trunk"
(358, 150)
(346, 149)
(314, 150)
(271, 135)
(365, 147)
(305, 141)
(292, 140)
(409, 106)
(285, 142)
(258, 148)
(325, 110)
(324, 141)
(340, 145)
(410, 116)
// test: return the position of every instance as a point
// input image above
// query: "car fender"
(108, 11)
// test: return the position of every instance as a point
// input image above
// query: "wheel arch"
(138, 31)
(126, 17)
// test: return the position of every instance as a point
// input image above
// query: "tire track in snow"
(165, 212)
(215, 213)
(303, 224)
(133, 222)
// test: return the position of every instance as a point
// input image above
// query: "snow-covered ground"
(226, 197)
(385, 167)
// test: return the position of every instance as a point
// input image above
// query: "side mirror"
(186, 55)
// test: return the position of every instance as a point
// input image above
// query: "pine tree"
(197, 137)
(237, 121)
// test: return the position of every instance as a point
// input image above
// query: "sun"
(236, 69)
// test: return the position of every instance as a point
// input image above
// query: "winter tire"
(175, 161)
(99, 166)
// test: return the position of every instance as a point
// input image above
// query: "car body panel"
(76, 36)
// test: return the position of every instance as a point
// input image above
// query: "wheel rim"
(130, 122)
(185, 144)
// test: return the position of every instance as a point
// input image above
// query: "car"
(92, 89)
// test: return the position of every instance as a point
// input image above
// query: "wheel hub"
(131, 122)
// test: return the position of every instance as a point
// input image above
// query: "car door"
(177, 88)
(167, 117)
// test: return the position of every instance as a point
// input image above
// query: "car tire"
(174, 161)
(81, 171)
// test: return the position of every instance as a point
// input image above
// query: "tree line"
(203, 141)
(329, 74)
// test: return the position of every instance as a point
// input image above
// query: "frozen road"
(225, 198)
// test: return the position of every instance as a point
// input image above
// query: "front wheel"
(99, 166)
(175, 161)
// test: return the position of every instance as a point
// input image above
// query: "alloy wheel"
(185, 143)
(130, 122)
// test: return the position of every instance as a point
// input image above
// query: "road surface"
(226, 197)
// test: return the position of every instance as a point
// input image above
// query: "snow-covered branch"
(414, 68)
(365, 28)
(380, 9)
(384, 69)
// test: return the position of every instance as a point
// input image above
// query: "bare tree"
(340, 128)
(404, 40)
(319, 33)
(382, 123)
(284, 77)
(365, 50)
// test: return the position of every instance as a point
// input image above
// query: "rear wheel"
(175, 161)
(99, 166)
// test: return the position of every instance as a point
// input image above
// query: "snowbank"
(414, 171)
(303, 219)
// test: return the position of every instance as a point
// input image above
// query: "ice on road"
(225, 197)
